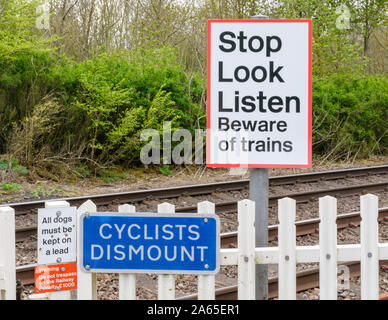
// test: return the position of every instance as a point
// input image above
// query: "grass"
(14, 165)
(109, 176)
(43, 192)
(11, 186)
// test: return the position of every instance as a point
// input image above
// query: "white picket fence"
(286, 255)
(7, 254)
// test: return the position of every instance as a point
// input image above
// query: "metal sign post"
(258, 192)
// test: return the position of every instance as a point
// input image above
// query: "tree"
(367, 17)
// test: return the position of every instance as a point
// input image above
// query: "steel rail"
(201, 189)
(231, 206)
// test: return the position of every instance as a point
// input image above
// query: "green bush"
(350, 116)
(115, 97)
(26, 59)
(97, 108)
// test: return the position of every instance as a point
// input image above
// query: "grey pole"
(258, 192)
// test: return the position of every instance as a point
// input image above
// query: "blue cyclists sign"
(150, 243)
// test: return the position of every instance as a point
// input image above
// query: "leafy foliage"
(165, 170)
(14, 166)
(81, 115)
(350, 115)
(118, 95)
(11, 186)
(25, 61)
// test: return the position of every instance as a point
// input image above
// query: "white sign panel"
(57, 235)
(259, 93)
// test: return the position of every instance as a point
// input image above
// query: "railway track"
(202, 189)
(231, 206)
(305, 280)
(25, 274)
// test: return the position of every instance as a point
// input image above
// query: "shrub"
(350, 116)
(116, 96)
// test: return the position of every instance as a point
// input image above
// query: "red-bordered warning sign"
(58, 277)
(259, 108)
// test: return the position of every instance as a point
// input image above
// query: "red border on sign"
(50, 273)
(218, 165)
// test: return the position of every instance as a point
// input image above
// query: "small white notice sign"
(57, 235)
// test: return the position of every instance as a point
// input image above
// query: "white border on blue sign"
(155, 215)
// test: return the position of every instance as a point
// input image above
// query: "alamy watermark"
(343, 278)
(343, 20)
(181, 147)
(43, 19)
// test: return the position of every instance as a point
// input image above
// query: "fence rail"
(328, 253)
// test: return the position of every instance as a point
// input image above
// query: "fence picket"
(127, 282)
(246, 250)
(206, 283)
(86, 282)
(166, 282)
(287, 252)
(328, 248)
(369, 248)
(7, 254)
